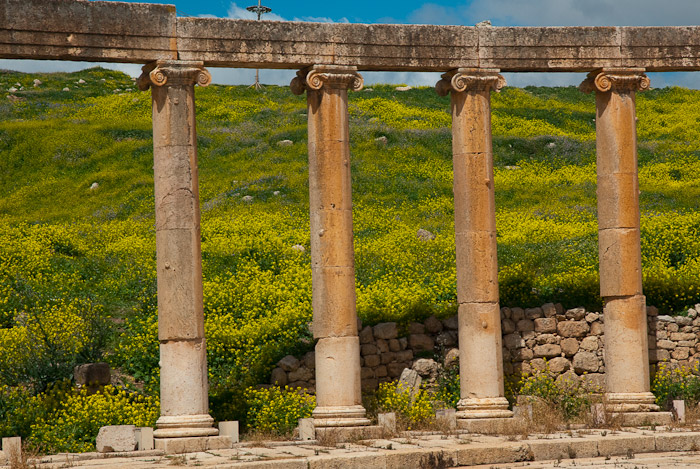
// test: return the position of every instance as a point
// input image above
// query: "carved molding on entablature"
(621, 80)
(173, 73)
(329, 76)
(470, 79)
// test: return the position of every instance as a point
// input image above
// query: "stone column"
(480, 341)
(338, 392)
(626, 349)
(184, 400)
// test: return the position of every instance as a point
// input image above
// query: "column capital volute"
(615, 79)
(470, 79)
(316, 77)
(173, 73)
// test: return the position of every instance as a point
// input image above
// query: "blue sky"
(459, 12)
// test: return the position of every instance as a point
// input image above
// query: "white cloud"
(564, 13)
(430, 13)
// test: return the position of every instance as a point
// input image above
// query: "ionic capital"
(470, 79)
(330, 76)
(173, 73)
(615, 79)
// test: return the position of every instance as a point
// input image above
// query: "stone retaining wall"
(569, 341)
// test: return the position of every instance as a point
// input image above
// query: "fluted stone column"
(184, 400)
(626, 349)
(338, 391)
(480, 341)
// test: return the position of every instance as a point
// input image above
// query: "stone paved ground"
(629, 449)
(639, 461)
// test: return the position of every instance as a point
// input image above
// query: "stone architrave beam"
(89, 31)
(184, 399)
(626, 349)
(142, 33)
(480, 342)
(338, 391)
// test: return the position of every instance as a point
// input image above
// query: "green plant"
(411, 409)
(78, 416)
(277, 410)
(448, 387)
(676, 382)
(570, 394)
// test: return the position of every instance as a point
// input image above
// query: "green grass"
(63, 243)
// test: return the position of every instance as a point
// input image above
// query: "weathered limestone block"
(517, 314)
(525, 325)
(433, 325)
(559, 365)
(575, 314)
(666, 344)
(533, 313)
(289, 363)
(301, 374)
(573, 328)
(587, 362)
(368, 349)
(547, 351)
(507, 326)
(545, 325)
(592, 317)
(116, 438)
(513, 341)
(372, 360)
(388, 357)
(278, 377)
(92, 374)
(680, 353)
(395, 369)
(597, 328)
(451, 323)
(366, 335)
(683, 320)
(446, 339)
(522, 354)
(416, 328)
(549, 310)
(386, 330)
(426, 368)
(548, 339)
(589, 344)
(421, 342)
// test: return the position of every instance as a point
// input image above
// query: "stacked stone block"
(570, 342)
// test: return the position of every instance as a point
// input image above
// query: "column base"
(340, 416)
(623, 402)
(182, 426)
(483, 408)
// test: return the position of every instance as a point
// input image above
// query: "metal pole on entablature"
(260, 10)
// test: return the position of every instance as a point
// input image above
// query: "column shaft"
(183, 362)
(338, 386)
(480, 341)
(626, 349)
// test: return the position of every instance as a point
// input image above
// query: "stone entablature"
(568, 341)
(142, 33)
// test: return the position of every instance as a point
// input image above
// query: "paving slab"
(628, 448)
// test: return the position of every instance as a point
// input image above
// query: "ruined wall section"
(568, 341)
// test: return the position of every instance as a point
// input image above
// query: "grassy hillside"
(71, 256)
